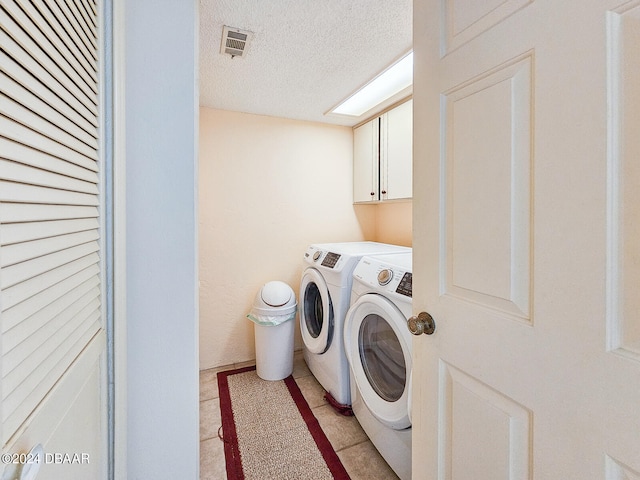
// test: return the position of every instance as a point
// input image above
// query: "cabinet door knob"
(373, 193)
(384, 192)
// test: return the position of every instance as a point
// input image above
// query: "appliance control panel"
(383, 277)
(405, 286)
(330, 259)
(325, 259)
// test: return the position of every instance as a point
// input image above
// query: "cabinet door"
(365, 162)
(53, 343)
(397, 159)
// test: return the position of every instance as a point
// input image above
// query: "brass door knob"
(422, 323)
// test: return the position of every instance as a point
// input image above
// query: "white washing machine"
(378, 349)
(325, 291)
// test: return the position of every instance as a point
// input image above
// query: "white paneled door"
(527, 239)
(52, 337)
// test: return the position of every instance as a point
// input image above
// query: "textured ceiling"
(305, 56)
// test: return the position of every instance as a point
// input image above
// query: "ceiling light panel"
(390, 82)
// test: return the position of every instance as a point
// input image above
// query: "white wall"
(268, 188)
(161, 240)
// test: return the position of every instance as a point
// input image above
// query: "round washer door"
(379, 352)
(316, 314)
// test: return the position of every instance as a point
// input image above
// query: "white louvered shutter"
(50, 279)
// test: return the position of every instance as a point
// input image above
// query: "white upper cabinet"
(396, 157)
(365, 161)
(382, 157)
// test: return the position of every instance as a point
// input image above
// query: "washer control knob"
(316, 255)
(422, 323)
(385, 276)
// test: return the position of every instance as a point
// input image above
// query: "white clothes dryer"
(324, 298)
(378, 349)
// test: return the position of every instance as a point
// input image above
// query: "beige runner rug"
(270, 432)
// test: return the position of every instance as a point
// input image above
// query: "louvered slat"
(21, 252)
(21, 134)
(30, 102)
(12, 419)
(44, 76)
(20, 173)
(13, 69)
(86, 85)
(93, 9)
(37, 379)
(18, 152)
(12, 192)
(42, 17)
(30, 334)
(86, 34)
(88, 13)
(30, 48)
(37, 359)
(26, 116)
(27, 232)
(63, 13)
(22, 311)
(23, 401)
(50, 278)
(21, 292)
(25, 212)
(15, 274)
(22, 408)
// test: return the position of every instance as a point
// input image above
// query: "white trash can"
(273, 312)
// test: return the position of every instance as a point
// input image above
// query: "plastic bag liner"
(270, 319)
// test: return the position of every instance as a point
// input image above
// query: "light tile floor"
(357, 453)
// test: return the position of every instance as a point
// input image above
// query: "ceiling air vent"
(235, 41)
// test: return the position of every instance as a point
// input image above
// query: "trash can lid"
(276, 293)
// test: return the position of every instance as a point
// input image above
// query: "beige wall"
(268, 187)
(394, 223)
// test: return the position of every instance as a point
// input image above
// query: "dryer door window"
(378, 347)
(382, 358)
(313, 310)
(316, 313)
